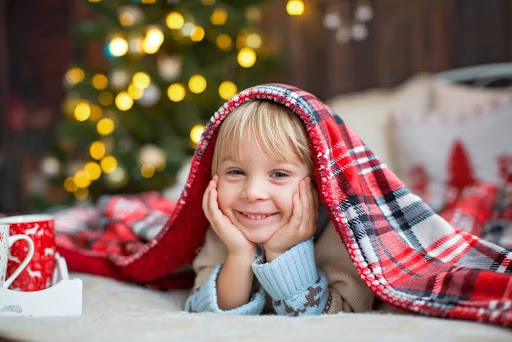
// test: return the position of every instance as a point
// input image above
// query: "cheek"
(285, 203)
(223, 196)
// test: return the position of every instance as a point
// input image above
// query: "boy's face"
(255, 192)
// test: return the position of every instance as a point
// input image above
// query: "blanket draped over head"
(408, 255)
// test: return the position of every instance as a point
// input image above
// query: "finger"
(305, 201)
(311, 204)
(212, 203)
(206, 197)
(311, 210)
(296, 218)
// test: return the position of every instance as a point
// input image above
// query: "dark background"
(405, 37)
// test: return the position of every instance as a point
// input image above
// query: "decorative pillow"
(438, 153)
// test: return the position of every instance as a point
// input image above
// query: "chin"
(258, 237)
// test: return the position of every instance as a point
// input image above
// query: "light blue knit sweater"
(292, 280)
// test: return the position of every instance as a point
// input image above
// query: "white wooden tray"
(63, 298)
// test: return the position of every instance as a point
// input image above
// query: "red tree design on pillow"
(460, 170)
(505, 167)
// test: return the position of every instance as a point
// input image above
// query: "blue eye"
(279, 174)
(236, 172)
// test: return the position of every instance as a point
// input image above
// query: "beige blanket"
(115, 311)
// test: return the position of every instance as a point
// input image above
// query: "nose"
(254, 190)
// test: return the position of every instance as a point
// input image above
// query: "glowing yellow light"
(81, 194)
(197, 34)
(97, 150)
(141, 80)
(82, 179)
(96, 113)
(246, 57)
(207, 2)
(176, 92)
(195, 133)
(74, 76)
(147, 170)
(93, 170)
(105, 126)
(124, 101)
(155, 36)
(82, 111)
(135, 92)
(295, 7)
(197, 84)
(174, 21)
(149, 47)
(105, 98)
(99, 81)
(224, 42)
(227, 89)
(94, 0)
(153, 40)
(118, 46)
(253, 40)
(69, 184)
(148, 1)
(219, 16)
(108, 164)
(126, 19)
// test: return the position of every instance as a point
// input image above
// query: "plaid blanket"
(410, 257)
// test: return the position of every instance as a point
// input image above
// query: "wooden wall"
(405, 37)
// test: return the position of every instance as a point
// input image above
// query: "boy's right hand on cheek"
(233, 239)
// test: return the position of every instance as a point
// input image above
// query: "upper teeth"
(256, 217)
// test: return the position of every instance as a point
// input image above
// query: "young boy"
(267, 238)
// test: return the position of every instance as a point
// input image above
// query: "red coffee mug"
(39, 272)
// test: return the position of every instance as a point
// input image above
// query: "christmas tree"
(132, 119)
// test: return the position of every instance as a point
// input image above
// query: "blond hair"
(278, 130)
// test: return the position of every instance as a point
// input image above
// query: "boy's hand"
(302, 224)
(233, 239)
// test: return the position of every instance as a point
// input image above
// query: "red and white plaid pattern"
(407, 254)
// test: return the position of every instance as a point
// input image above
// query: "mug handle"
(21, 267)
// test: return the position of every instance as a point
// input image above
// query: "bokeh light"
(195, 133)
(93, 170)
(295, 7)
(97, 150)
(219, 16)
(124, 101)
(197, 84)
(246, 57)
(227, 89)
(82, 111)
(174, 20)
(118, 46)
(74, 76)
(108, 164)
(176, 92)
(105, 126)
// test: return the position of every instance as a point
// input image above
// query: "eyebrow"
(277, 161)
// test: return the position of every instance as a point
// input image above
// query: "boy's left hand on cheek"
(302, 224)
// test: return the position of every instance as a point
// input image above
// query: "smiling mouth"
(256, 217)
